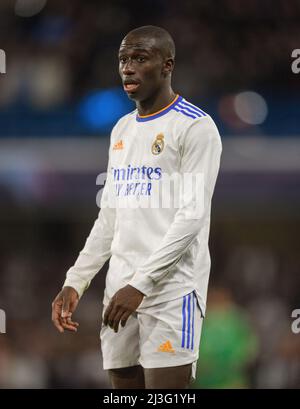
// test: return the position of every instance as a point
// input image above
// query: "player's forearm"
(95, 253)
(84, 270)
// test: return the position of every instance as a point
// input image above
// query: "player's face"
(140, 67)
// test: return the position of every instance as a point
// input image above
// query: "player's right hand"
(63, 307)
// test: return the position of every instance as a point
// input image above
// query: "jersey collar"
(161, 112)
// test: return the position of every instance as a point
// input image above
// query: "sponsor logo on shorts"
(166, 347)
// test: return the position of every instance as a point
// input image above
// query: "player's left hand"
(122, 305)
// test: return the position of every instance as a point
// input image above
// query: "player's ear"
(168, 66)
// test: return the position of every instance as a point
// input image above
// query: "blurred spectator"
(63, 50)
(228, 345)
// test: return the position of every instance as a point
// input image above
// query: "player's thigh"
(127, 378)
(176, 377)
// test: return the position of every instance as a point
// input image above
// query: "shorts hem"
(119, 365)
(170, 363)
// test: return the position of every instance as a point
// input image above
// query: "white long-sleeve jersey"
(155, 242)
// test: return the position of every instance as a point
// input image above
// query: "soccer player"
(156, 285)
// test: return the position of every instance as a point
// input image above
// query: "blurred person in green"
(228, 346)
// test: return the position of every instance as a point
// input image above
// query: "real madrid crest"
(158, 144)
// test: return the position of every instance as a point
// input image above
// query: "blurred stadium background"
(59, 98)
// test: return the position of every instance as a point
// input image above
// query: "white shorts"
(167, 334)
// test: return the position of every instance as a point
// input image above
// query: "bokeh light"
(29, 8)
(251, 107)
(101, 109)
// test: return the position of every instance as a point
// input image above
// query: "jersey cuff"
(142, 283)
(79, 285)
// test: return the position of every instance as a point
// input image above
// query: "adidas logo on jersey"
(166, 347)
(118, 145)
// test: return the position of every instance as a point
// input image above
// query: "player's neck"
(156, 102)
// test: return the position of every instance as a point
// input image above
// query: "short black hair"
(164, 39)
